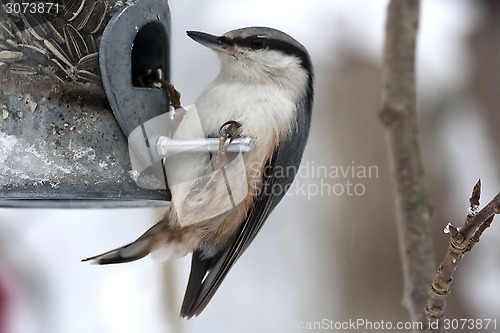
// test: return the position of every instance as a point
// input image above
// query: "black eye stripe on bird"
(273, 69)
(295, 49)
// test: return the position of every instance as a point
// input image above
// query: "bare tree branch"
(474, 224)
(462, 240)
(399, 115)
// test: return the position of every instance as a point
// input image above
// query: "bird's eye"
(257, 43)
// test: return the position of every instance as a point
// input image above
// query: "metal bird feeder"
(71, 91)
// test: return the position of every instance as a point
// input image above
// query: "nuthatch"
(264, 91)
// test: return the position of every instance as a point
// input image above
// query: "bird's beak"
(207, 40)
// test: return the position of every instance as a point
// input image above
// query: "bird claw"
(229, 130)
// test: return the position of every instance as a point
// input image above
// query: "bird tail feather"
(130, 252)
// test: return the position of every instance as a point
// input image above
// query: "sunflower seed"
(35, 26)
(71, 9)
(6, 31)
(23, 69)
(96, 18)
(62, 72)
(97, 40)
(3, 67)
(57, 27)
(25, 37)
(75, 43)
(11, 56)
(38, 44)
(89, 62)
(158, 73)
(55, 33)
(12, 43)
(34, 54)
(82, 18)
(90, 42)
(57, 51)
(88, 76)
(17, 33)
(50, 72)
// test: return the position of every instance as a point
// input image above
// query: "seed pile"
(63, 44)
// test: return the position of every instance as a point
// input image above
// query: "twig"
(472, 225)
(462, 240)
(398, 114)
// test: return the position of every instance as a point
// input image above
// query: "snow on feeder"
(72, 89)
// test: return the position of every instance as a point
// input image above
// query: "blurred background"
(329, 250)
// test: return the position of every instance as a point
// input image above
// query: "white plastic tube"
(166, 146)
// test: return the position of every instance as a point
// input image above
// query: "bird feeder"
(71, 91)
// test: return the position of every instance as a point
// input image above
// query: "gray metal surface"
(60, 144)
(133, 105)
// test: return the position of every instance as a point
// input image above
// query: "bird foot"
(229, 130)
(174, 96)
